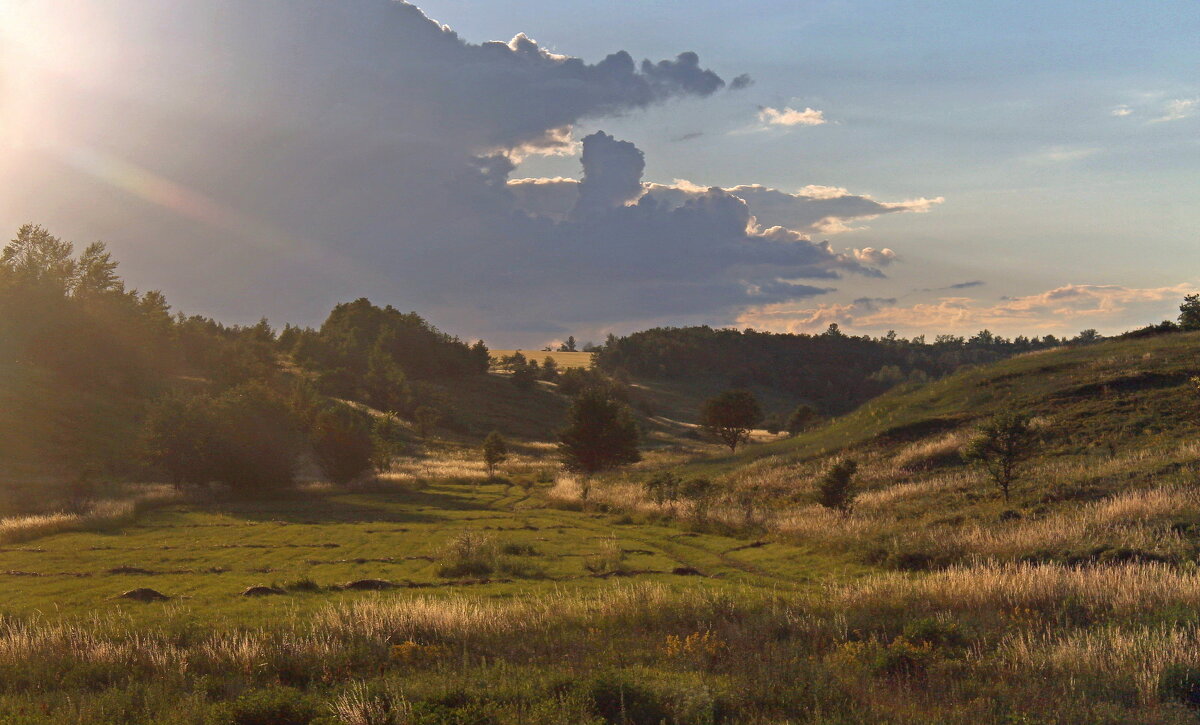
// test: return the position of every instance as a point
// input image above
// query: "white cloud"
(791, 117)
(875, 257)
(1122, 110)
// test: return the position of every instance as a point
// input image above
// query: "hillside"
(1111, 476)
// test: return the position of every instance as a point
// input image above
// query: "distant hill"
(833, 371)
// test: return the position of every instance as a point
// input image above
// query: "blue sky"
(1004, 108)
(1040, 159)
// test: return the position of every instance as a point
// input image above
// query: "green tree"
(1189, 312)
(731, 416)
(388, 435)
(426, 418)
(601, 434)
(495, 452)
(549, 369)
(1001, 445)
(836, 490)
(342, 443)
(178, 438)
(257, 439)
(385, 386)
(801, 418)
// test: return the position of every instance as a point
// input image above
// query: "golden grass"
(564, 360)
(1123, 590)
(101, 514)
(1135, 520)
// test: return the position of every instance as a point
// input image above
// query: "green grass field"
(513, 601)
(205, 555)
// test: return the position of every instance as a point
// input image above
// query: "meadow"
(434, 594)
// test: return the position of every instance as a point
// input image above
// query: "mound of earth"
(262, 592)
(368, 585)
(144, 595)
(130, 570)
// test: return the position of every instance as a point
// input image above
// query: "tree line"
(834, 371)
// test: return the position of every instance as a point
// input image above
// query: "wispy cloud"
(1177, 109)
(1063, 154)
(789, 116)
(1122, 110)
(1057, 310)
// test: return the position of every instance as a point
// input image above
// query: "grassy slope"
(1134, 392)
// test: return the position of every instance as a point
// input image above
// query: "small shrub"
(304, 584)
(272, 706)
(902, 659)
(469, 555)
(609, 559)
(934, 632)
(1180, 683)
(835, 490)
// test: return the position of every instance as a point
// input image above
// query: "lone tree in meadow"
(836, 488)
(731, 416)
(601, 434)
(1001, 445)
(495, 452)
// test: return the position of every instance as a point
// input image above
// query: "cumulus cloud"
(612, 174)
(790, 117)
(813, 210)
(1062, 309)
(875, 257)
(326, 150)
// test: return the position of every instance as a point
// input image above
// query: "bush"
(1180, 683)
(257, 440)
(342, 443)
(178, 438)
(468, 555)
(274, 706)
(619, 700)
(835, 490)
(247, 438)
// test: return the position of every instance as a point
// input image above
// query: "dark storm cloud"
(275, 156)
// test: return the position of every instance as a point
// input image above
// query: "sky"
(524, 171)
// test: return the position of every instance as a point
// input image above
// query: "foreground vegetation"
(362, 524)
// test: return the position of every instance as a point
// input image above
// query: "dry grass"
(1120, 590)
(1135, 520)
(564, 360)
(103, 514)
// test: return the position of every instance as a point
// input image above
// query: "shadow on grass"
(399, 506)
